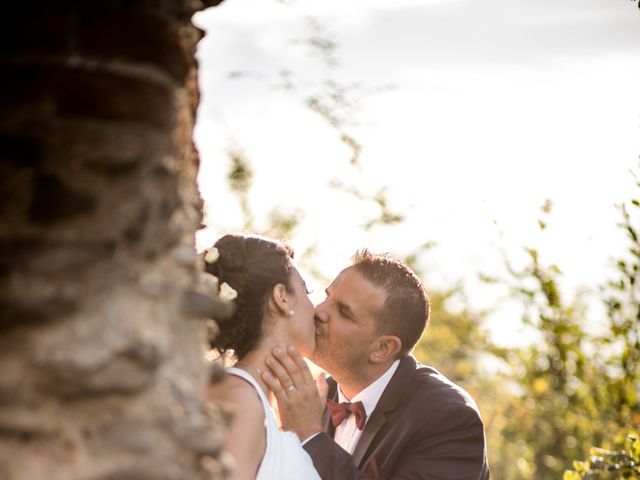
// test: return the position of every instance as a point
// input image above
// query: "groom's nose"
(321, 314)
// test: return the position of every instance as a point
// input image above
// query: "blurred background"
(492, 145)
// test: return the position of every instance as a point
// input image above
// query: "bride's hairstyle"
(252, 266)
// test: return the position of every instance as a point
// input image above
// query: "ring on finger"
(290, 388)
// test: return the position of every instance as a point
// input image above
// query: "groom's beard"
(340, 357)
(318, 338)
(323, 351)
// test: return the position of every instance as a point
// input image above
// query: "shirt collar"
(371, 394)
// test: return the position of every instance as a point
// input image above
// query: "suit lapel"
(326, 416)
(388, 402)
(377, 420)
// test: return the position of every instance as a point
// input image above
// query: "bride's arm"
(245, 439)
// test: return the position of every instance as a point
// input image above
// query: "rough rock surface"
(101, 343)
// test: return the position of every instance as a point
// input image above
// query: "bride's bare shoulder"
(238, 394)
(246, 437)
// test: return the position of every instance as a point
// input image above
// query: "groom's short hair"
(405, 312)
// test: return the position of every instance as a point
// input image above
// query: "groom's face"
(346, 323)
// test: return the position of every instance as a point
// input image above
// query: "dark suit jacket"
(423, 427)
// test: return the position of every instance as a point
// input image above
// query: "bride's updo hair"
(252, 266)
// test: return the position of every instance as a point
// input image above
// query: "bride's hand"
(301, 399)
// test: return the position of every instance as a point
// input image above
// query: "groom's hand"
(301, 399)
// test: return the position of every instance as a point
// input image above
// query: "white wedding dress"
(284, 458)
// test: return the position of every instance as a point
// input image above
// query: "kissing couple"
(380, 414)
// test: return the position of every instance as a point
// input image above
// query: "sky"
(471, 114)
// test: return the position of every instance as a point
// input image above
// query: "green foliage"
(337, 104)
(283, 222)
(570, 389)
(621, 373)
(551, 378)
(280, 222)
(240, 178)
(622, 301)
(454, 341)
(240, 174)
(609, 464)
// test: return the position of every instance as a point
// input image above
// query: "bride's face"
(301, 325)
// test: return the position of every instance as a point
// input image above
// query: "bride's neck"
(254, 361)
(258, 354)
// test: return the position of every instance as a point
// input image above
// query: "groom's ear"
(385, 348)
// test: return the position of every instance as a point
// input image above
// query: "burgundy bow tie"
(340, 411)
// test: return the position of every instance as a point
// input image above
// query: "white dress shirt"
(347, 433)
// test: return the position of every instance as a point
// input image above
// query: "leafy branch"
(609, 464)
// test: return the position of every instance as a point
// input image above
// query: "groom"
(387, 416)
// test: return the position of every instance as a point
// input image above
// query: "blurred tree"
(454, 342)
(281, 222)
(336, 102)
(622, 300)
(570, 389)
(618, 388)
(605, 464)
(549, 412)
(240, 178)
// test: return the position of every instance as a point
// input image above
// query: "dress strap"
(238, 372)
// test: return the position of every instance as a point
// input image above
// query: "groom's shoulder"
(431, 385)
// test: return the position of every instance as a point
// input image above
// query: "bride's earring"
(290, 313)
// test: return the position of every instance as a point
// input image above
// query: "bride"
(272, 310)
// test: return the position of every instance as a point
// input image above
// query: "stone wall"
(101, 302)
